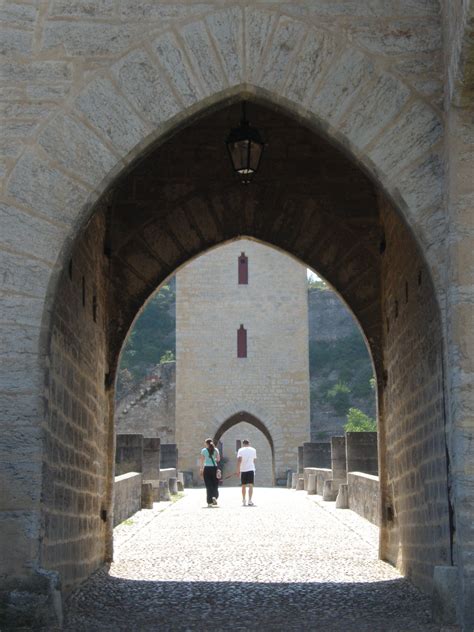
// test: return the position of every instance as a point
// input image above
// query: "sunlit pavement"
(289, 563)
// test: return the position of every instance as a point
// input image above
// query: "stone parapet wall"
(364, 495)
(127, 496)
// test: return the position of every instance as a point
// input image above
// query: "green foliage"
(357, 421)
(317, 284)
(152, 339)
(338, 396)
(168, 356)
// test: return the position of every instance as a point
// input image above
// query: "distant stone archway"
(243, 416)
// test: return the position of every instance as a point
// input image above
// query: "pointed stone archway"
(243, 416)
(62, 190)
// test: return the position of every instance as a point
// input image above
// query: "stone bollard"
(188, 479)
(311, 484)
(289, 474)
(300, 484)
(181, 478)
(147, 496)
(342, 500)
(329, 494)
(173, 485)
(180, 486)
(294, 479)
(319, 484)
(163, 490)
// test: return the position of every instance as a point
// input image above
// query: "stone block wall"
(416, 530)
(361, 452)
(151, 458)
(128, 453)
(169, 455)
(78, 448)
(364, 495)
(127, 496)
(316, 454)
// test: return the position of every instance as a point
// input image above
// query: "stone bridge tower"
(242, 347)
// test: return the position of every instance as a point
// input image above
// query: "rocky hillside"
(340, 366)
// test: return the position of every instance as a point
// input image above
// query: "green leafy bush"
(357, 421)
(168, 356)
(339, 396)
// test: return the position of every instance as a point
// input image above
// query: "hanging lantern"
(245, 146)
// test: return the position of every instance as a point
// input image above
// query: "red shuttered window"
(241, 342)
(243, 269)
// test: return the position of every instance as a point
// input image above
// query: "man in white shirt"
(246, 458)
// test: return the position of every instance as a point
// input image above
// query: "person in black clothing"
(210, 457)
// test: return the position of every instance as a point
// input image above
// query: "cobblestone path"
(288, 564)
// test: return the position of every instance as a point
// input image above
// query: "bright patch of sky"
(312, 276)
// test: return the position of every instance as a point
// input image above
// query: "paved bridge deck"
(290, 563)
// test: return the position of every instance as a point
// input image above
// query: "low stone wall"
(364, 495)
(127, 496)
(322, 474)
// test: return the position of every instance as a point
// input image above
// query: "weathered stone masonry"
(78, 445)
(91, 90)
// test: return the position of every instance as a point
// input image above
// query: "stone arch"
(143, 95)
(240, 417)
(133, 243)
(153, 88)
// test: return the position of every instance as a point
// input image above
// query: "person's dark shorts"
(247, 478)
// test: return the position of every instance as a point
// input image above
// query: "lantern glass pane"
(255, 154)
(239, 154)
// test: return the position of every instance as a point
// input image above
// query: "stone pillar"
(169, 456)
(300, 463)
(338, 458)
(128, 454)
(151, 458)
(163, 490)
(173, 485)
(342, 500)
(311, 484)
(289, 475)
(294, 480)
(299, 484)
(188, 479)
(361, 452)
(329, 490)
(317, 454)
(147, 496)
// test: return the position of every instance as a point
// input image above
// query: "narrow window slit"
(241, 342)
(243, 267)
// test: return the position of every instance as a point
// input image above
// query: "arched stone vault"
(131, 81)
(308, 200)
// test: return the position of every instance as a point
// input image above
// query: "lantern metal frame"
(245, 133)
